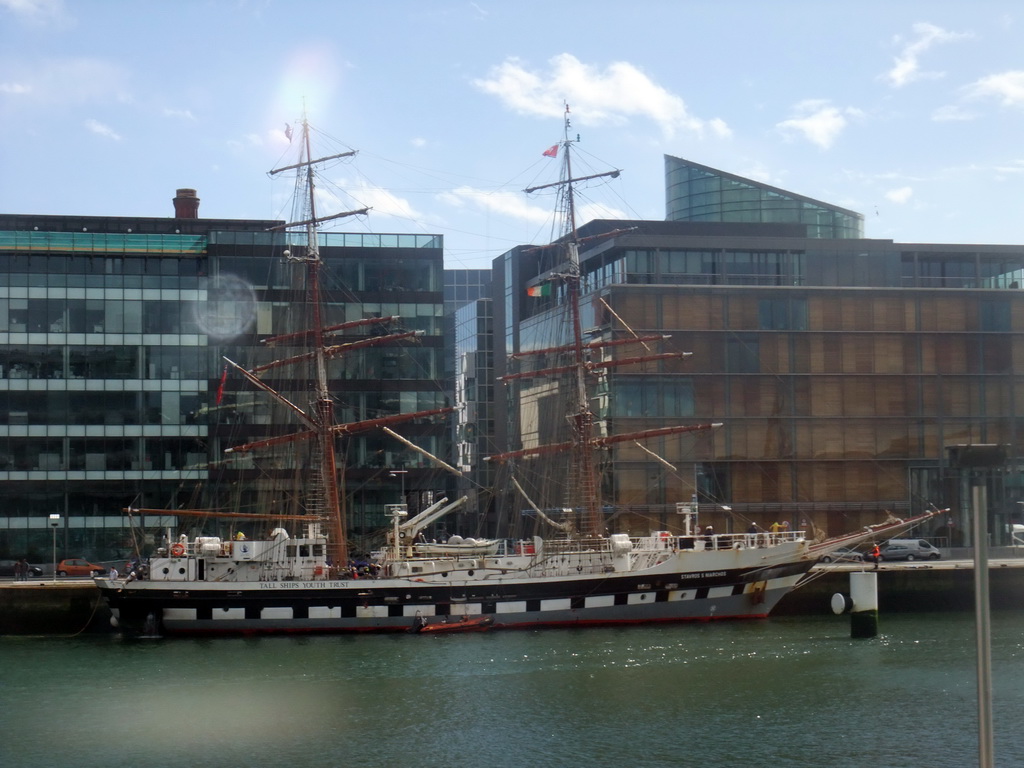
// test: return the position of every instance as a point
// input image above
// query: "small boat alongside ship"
(445, 627)
(296, 578)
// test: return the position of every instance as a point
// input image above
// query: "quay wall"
(941, 586)
(38, 607)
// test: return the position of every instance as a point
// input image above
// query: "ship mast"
(584, 442)
(326, 500)
(583, 484)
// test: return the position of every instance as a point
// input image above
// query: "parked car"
(909, 549)
(843, 555)
(76, 566)
(7, 570)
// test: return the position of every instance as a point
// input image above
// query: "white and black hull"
(383, 605)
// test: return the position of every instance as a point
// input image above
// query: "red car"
(76, 566)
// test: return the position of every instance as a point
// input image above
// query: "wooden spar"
(256, 382)
(422, 451)
(398, 418)
(538, 372)
(349, 428)
(613, 174)
(595, 366)
(300, 336)
(313, 222)
(640, 359)
(307, 163)
(270, 442)
(648, 434)
(334, 350)
(590, 345)
(602, 442)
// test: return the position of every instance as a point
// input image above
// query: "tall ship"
(575, 570)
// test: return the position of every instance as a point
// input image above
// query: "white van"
(909, 549)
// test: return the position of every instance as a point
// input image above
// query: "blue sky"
(909, 112)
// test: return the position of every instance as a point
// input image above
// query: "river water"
(782, 692)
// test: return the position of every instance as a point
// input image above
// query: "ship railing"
(715, 541)
(583, 544)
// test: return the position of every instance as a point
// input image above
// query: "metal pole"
(55, 522)
(983, 624)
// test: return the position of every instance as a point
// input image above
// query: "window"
(661, 397)
(994, 315)
(782, 314)
(743, 353)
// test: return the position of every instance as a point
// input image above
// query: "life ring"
(178, 550)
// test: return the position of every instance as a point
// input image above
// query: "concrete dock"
(936, 585)
(47, 607)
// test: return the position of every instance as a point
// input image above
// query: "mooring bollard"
(861, 604)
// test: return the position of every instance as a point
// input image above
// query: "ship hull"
(392, 605)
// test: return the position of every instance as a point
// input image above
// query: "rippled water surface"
(783, 692)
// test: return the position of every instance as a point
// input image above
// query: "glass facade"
(841, 370)
(474, 411)
(114, 393)
(697, 193)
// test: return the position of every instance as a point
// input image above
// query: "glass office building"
(694, 192)
(843, 370)
(474, 414)
(113, 387)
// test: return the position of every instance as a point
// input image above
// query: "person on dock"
(876, 555)
(20, 570)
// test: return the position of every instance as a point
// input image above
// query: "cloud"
(15, 88)
(341, 194)
(66, 81)
(612, 95)
(1008, 87)
(102, 130)
(906, 68)
(36, 11)
(719, 128)
(516, 206)
(901, 195)
(511, 204)
(818, 121)
(249, 140)
(952, 112)
(759, 172)
(184, 114)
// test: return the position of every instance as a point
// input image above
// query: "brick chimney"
(186, 204)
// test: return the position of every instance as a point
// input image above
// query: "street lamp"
(400, 473)
(55, 521)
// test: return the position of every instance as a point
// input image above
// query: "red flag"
(220, 387)
(552, 151)
(288, 131)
